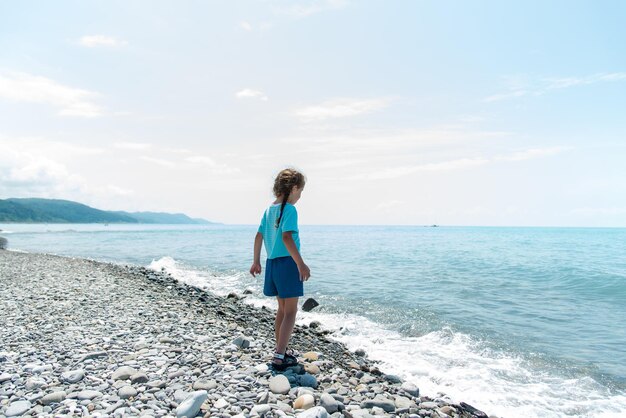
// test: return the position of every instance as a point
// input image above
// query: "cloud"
(70, 101)
(303, 9)
(251, 94)
(531, 153)
(245, 26)
(158, 161)
(519, 87)
(132, 145)
(94, 41)
(210, 163)
(341, 108)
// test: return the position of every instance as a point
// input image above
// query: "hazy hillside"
(65, 211)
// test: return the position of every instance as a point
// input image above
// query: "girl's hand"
(305, 272)
(255, 269)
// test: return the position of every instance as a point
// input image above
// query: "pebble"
(315, 412)
(123, 373)
(54, 397)
(411, 389)
(279, 384)
(305, 401)
(127, 392)
(73, 376)
(330, 404)
(17, 408)
(88, 394)
(191, 406)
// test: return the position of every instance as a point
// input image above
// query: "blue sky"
(399, 112)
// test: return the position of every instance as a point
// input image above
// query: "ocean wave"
(440, 362)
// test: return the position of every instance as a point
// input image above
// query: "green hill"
(36, 210)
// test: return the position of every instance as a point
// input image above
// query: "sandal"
(286, 361)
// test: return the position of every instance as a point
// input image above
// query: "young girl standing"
(285, 271)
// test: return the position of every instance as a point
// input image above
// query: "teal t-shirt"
(272, 236)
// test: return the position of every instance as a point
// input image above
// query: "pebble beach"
(86, 338)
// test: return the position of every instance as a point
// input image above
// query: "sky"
(398, 112)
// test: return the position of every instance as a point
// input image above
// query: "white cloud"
(94, 41)
(531, 153)
(520, 87)
(132, 145)
(158, 161)
(210, 163)
(245, 26)
(251, 94)
(341, 108)
(308, 8)
(70, 101)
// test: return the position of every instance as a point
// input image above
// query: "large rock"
(305, 401)
(17, 408)
(411, 389)
(279, 384)
(330, 404)
(54, 397)
(191, 406)
(309, 304)
(317, 412)
(307, 380)
(127, 392)
(123, 373)
(88, 394)
(380, 402)
(73, 376)
(4, 243)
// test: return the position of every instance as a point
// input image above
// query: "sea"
(518, 322)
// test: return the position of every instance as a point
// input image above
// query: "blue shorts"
(282, 278)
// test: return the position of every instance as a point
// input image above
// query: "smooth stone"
(5, 377)
(316, 412)
(311, 356)
(88, 394)
(403, 402)
(309, 304)
(305, 401)
(139, 377)
(54, 397)
(34, 383)
(329, 403)
(279, 384)
(221, 403)
(261, 368)
(123, 373)
(167, 340)
(156, 384)
(204, 384)
(410, 388)
(360, 352)
(393, 378)
(127, 392)
(17, 408)
(73, 376)
(311, 368)
(307, 380)
(241, 342)
(428, 405)
(191, 406)
(260, 409)
(41, 369)
(384, 404)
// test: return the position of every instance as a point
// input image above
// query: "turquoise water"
(518, 321)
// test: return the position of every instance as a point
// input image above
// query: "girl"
(285, 271)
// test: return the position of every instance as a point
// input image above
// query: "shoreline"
(106, 339)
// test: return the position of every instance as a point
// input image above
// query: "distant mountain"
(64, 211)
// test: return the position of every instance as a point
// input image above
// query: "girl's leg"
(279, 318)
(289, 308)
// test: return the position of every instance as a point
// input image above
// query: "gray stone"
(5, 377)
(221, 403)
(204, 384)
(88, 394)
(315, 412)
(411, 389)
(393, 378)
(428, 405)
(191, 406)
(279, 384)
(127, 392)
(123, 373)
(139, 377)
(385, 404)
(260, 409)
(73, 376)
(241, 342)
(404, 402)
(329, 403)
(54, 397)
(17, 408)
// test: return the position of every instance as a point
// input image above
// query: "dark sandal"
(286, 361)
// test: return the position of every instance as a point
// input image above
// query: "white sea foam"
(444, 361)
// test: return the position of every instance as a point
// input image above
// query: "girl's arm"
(256, 264)
(290, 244)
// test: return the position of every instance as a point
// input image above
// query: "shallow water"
(520, 322)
